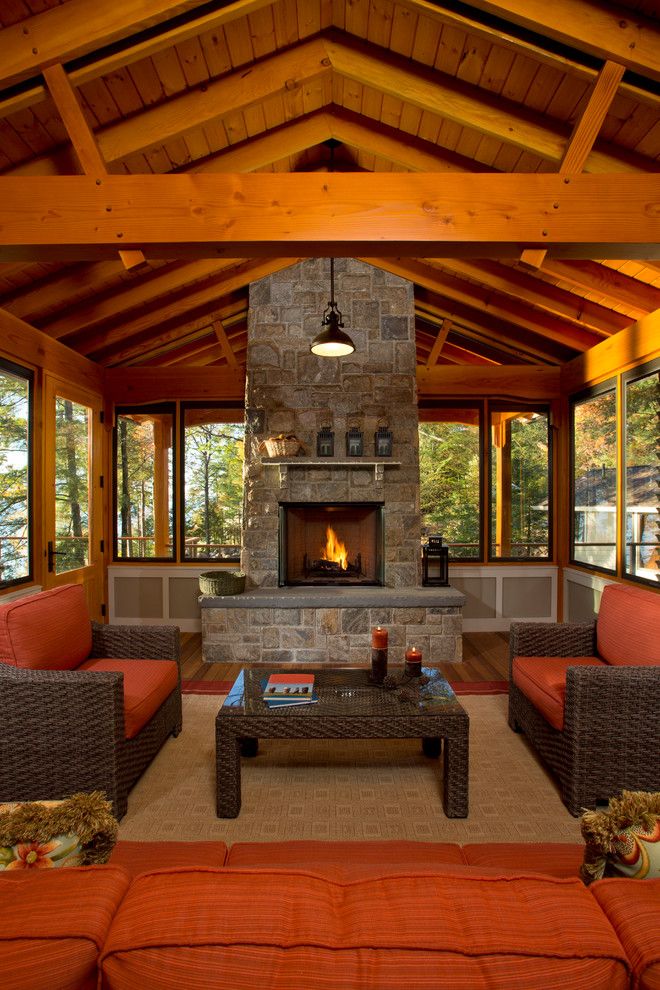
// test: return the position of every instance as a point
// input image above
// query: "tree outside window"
(594, 479)
(15, 461)
(642, 475)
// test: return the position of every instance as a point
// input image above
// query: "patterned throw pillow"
(42, 835)
(623, 841)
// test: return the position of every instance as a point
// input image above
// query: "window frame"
(230, 407)
(545, 409)
(609, 385)
(20, 371)
(628, 377)
(156, 407)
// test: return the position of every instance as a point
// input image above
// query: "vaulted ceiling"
(300, 86)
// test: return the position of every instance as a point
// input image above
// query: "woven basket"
(222, 582)
(281, 446)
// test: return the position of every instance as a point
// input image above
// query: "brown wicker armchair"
(610, 739)
(63, 730)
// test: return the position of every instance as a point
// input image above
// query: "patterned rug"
(366, 789)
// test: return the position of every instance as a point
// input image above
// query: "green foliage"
(213, 488)
(449, 484)
(14, 501)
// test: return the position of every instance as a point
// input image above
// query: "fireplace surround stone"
(291, 391)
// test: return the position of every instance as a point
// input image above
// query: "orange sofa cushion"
(143, 857)
(633, 908)
(628, 626)
(543, 681)
(147, 683)
(53, 924)
(554, 859)
(47, 631)
(294, 930)
(350, 860)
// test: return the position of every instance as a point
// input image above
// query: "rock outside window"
(354, 442)
(383, 442)
(325, 442)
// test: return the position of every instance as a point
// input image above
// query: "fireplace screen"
(331, 543)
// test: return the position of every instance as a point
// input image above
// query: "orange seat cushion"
(294, 930)
(633, 908)
(47, 631)
(53, 924)
(349, 860)
(543, 681)
(142, 857)
(628, 626)
(147, 683)
(555, 859)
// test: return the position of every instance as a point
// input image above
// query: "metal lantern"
(435, 562)
(383, 442)
(354, 442)
(325, 442)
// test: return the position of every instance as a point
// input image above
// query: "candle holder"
(378, 664)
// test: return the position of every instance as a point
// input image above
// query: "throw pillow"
(77, 831)
(623, 841)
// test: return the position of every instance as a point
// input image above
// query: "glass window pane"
(595, 481)
(519, 485)
(72, 465)
(642, 477)
(144, 484)
(15, 456)
(213, 485)
(449, 470)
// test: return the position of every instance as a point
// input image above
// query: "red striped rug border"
(460, 687)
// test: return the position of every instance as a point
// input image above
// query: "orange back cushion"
(47, 631)
(628, 626)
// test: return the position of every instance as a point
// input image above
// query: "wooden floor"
(485, 658)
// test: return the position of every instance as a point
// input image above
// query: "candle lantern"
(383, 442)
(325, 442)
(435, 562)
(354, 442)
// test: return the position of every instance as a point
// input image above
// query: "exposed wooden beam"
(438, 343)
(584, 135)
(20, 340)
(82, 140)
(130, 385)
(68, 217)
(596, 278)
(603, 30)
(223, 340)
(75, 28)
(499, 380)
(640, 342)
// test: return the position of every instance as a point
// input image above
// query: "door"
(73, 512)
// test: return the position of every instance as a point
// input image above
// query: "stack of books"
(283, 690)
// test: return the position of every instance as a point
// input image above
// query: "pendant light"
(332, 341)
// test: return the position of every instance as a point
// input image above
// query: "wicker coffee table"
(349, 707)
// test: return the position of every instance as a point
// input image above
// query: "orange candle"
(379, 638)
(413, 658)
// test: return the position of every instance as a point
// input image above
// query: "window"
(641, 398)
(450, 479)
(520, 459)
(594, 478)
(212, 482)
(144, 483)
(15, 474)
(72, 469)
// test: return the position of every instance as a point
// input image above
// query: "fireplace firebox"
(331, 543)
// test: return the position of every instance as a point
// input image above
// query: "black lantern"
(383, 442)
(325, 442)
(435, 562)
(354, 442)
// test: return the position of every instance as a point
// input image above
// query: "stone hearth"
(291, 391)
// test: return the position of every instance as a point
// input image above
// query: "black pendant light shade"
(332, 341)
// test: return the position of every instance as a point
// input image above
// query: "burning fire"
(334, 549)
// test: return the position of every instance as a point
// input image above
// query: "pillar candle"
(413, 661)
(379, 638)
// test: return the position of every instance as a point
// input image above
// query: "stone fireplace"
(299, 605)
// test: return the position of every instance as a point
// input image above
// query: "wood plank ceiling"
(516, 86)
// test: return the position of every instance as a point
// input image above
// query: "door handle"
(51, 556)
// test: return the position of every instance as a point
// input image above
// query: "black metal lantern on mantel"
(435, 562)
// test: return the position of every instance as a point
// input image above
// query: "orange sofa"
(587, 696)
(328, 916)
(83, 706)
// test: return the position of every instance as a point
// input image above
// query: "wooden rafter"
(223, 340)
(439, 343)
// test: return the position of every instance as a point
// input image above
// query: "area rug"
(346, 789)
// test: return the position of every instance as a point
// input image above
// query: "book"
(295, 702)
(290, 686)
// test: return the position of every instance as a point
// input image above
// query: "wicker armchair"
(611, 733)
(63, 731)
